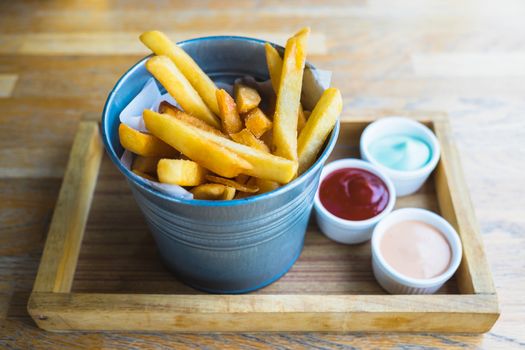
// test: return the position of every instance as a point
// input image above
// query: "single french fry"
(167, 73)
(146, 165)
(267, 138)
(288, 97)
(246, 98)
(231, 183)
(318, 127)
(180, 172)
(212, 192)
(241, 195)
(307, 114)
(301, 119)
(245, 137)
(257, 122)
(266, 185)
(228, 194)
(144, 175)
(230, 120)
(189, 141)
(160, 44)
(242, 178)
(275, 65)
(260, 164)
(143, 144)
(166, 108)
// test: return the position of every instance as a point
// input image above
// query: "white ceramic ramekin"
(396, 283)
(349, 231)
(406, 182)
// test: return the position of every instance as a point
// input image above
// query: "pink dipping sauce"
(416, 249)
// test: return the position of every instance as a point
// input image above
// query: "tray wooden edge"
(254, 313)
(53, 307)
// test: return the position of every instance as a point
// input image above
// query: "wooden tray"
(120, 283)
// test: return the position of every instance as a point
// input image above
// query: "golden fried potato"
(301, 119)
(189, 141)
(260, 164)
(229, 193)
(144, 175)
(246, 137)
(231, 122)
(166, 108)
(143, 144)
(266, 185)
(246, 98)
(146, 165)
(167, 73)
(231, 183)
(267, 138)
(257, 122)
(318, 127)
(275, 65)
(212, 192)
(181, 172)
(307, 114)
(242, 178)
(160, 44)
(288, 97)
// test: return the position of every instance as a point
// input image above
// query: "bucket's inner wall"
(118, 254)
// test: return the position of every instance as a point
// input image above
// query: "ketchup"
(353, 194)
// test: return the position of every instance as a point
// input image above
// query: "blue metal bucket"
(232, 246)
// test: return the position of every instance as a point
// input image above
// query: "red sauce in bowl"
(353, 194)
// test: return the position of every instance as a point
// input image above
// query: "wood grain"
(124, 43)
(7, 84)
(341, 304)
(369, 47)
(344, 313)
(59, 259)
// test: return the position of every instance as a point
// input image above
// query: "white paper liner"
(150, 97)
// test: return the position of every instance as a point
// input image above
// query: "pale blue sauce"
(401, 152)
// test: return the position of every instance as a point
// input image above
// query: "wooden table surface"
(59, 59)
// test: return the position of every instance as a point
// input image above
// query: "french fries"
(167, 108)
(146, 165)
(275, 65)
(238, 186)
(318, 126)
(242, 179)
(180, 172)
(224, 148)
(301, 119)
(228, 194)
(143, 144)
(257, 122)
(188, 140)
(167, 73)
(160, 44)
(288, 97)
(265, 185)
(231, 122)
(246, 98)
(213, 192)
(144, 175)
(245, 137)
